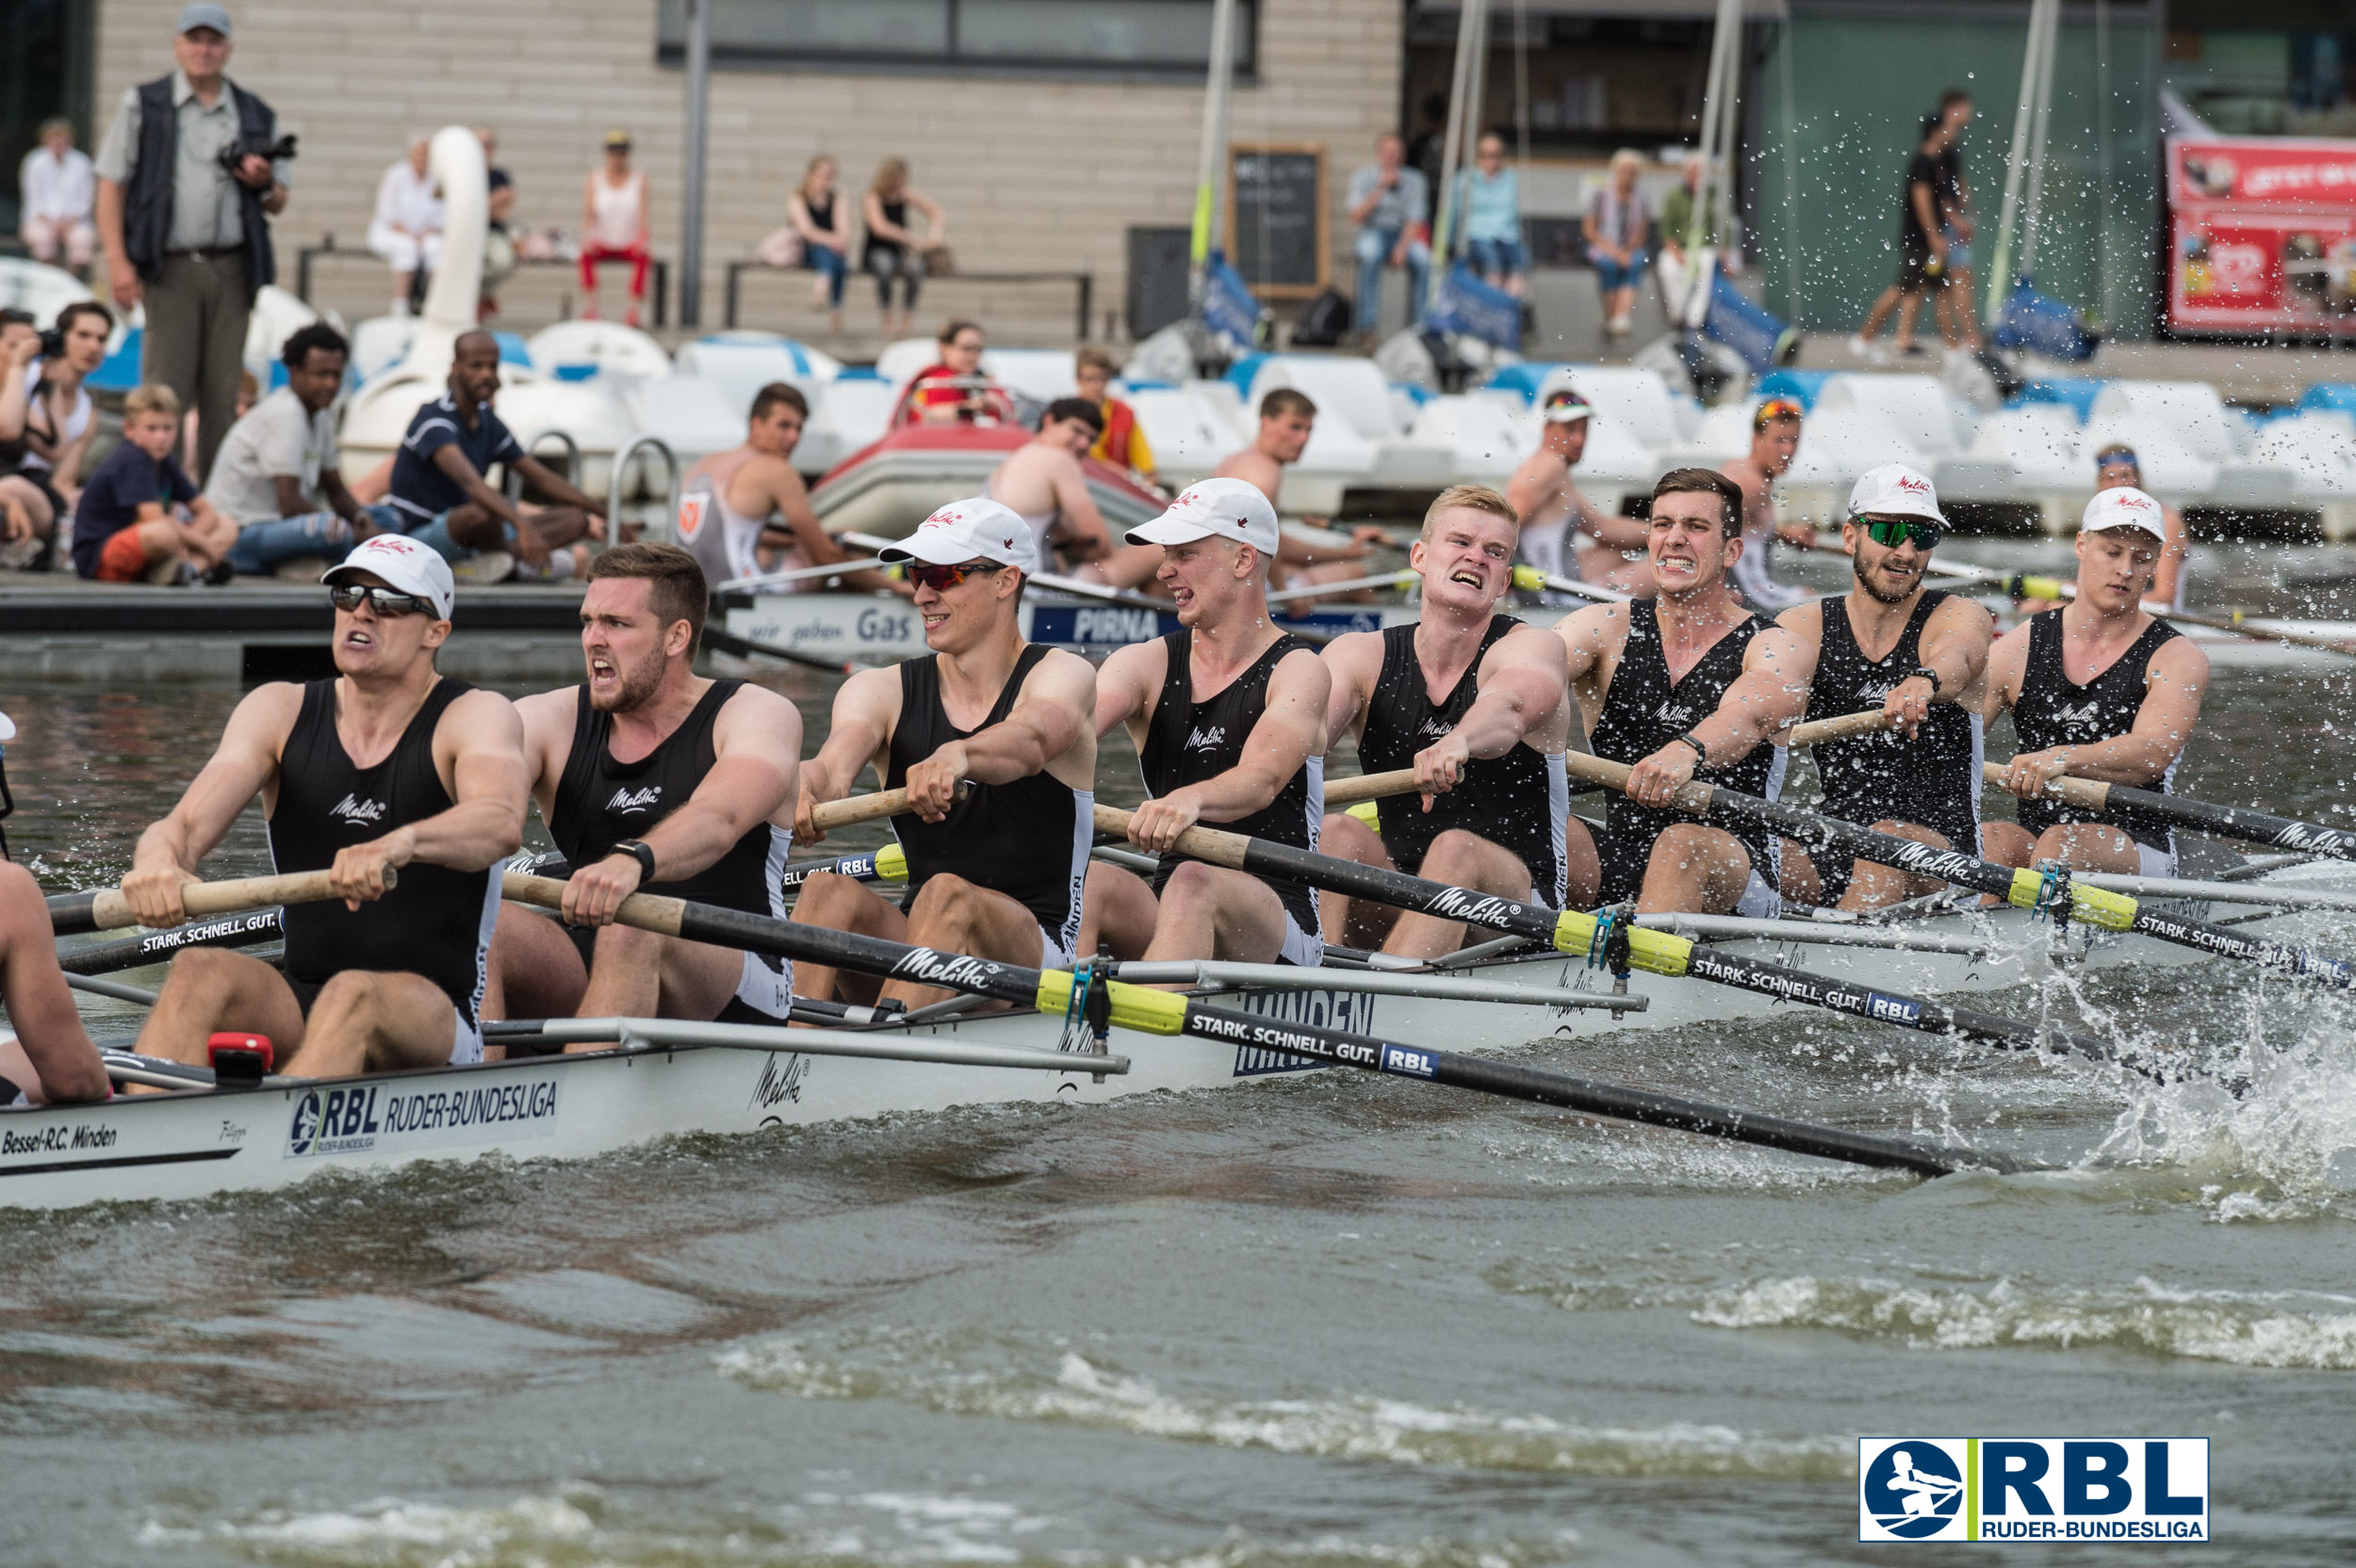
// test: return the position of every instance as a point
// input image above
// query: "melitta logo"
(2033, 1489)
(952, 971)
(1913, 487)
(1203, 740)
(2087, 714)
(1674, 713)
(1434, 726)
(353, 809)
(629, 804)
(1472, 908)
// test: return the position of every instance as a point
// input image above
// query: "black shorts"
(1914, 274)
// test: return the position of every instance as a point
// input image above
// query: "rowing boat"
(667, 1082)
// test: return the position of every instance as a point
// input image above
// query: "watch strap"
(1700, 751)
(1928, 674)
(639, 852)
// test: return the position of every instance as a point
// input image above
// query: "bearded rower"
(652, 779)
(1686, 685)
(1774, 441)
(388, 767)
(2097, 689)
(1228, 714)
(1920, 656)
(1554, 513)
(997, 873)
(1477, 704)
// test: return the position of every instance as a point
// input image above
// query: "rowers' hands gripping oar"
(1605, 939)
(110, 909)
(813, 821)
(2051, 893)
(1156, 1012)
(2226, 822)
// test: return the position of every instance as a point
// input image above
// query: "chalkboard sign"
(1276, 218)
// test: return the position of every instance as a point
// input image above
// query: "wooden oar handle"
(647, 911)
(1839, 728)
(1693, 799)
(1370, 786)
(852, 810)
(1203, 843)
(2085, 793)
(109, 910)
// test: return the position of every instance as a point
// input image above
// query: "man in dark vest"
(185, 233)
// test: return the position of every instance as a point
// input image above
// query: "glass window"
(1172, 36)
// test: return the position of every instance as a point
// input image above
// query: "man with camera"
(187, 176)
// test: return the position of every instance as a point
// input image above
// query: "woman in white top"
(818, 213)
(56, 181)
(1617, 225)
(45, 427)
(614, 225)
(407, 228)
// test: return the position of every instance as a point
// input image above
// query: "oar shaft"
(852, 809)
(2226, 822)
(1370, 786)
(2025, 586)
(155, 947)
(1872, 722)
(107, 910)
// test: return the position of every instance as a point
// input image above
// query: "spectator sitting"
(58, 185)
(440, 497)
(1122, 443)
(275, 476)
(1677, 224)
(1392, 206)
(613, 226)
(124, 528)
(893, 248)
(1617, 225)
(47, 425)
(953, 390)
(1490, 197)
(816, 212)
(407, 228)
(499, 242)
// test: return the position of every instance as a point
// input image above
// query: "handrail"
(531, 449)
(659, 531)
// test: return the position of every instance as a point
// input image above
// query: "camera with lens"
(52, 343)
(254, 146)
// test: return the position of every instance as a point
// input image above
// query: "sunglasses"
(941, 579)
(1893, 531)
(1775, 409)
(385, 601)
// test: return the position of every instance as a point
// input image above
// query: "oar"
(1062, 584)
(1530, 580)
(2226, 822)
(155, 947)
(1597, 937)
(887, 864)
(2027, 586)
(721, 640)
(1347, 585)
(852, 809)
(1167, 1013)
(1840, 727)
(107, 910)
(2028, 889)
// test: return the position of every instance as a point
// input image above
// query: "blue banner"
(1759, 337)
(2031, 321)
(1228, 308)
(1470, 308)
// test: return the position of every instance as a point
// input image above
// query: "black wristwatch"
(1700, 751)
(1928, 674)
(640, 852)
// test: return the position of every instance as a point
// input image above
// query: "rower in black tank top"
(1932, 780)
(1190, 741)
(601, 802)
(1029, 838)
(434, 921)
(2053, 710)
(1519, 801)
(1642, 711)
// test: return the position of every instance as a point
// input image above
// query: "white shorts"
(1760, 899)
(2154, 863)
(1300, 948)
(1051, 953)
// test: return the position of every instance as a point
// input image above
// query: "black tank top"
(600, 802)
(895, 211)
(1643, 711)
(821, 213)
(2053, 710)
(435, 922)
(1028, 839)
(1932, 780)
(1188, 742)
(1519, 801)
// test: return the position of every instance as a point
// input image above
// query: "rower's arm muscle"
(2178, 676)
(1354, 659)
(1956, 643)
(484, 824)
(1290, 731)
(1125, 686)
(1058, 701)
(787, 495)
(861, 720)
(239, 768)
(1523, 680)
(758, 747)
(1771, 694)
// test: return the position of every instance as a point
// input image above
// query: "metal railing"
(661, 529)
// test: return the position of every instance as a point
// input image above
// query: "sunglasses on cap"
(2109, 456)
(941, 579)
(1893, 531)
(385, 601)
(1775, 409)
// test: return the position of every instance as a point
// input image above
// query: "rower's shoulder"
(1061, 671)
(1525, 643)
(2179, 658)
(1803, 620)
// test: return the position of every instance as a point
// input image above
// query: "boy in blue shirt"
(124, 528)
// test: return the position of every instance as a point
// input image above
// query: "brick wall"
(1035, 174)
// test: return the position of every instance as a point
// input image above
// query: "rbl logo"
(2033, 1489)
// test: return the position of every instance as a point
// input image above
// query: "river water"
(1324, 1320)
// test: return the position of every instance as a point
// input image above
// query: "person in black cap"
(185, 233)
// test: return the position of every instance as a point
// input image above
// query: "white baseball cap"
(978, 528)
(1564, 405)
(1229, 508)
(404, 563)
(1894, 490)
(2123, 507)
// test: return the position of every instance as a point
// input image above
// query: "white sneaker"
(18, 554)
(483, 566)
(1873, 353)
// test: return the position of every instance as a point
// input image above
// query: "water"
(1321, 1321)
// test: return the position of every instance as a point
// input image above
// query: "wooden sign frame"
(1325, 218)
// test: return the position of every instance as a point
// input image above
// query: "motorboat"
(888, 486)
